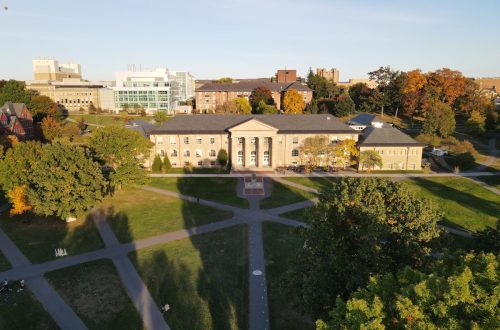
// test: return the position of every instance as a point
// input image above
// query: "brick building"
(15, 119)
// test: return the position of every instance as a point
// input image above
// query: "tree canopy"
(41, 106)
(261, 94)
(293, 102)
(15, 91)
(439, 120)
(369, 159)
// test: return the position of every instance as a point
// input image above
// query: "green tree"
(242, 106)
(157, 165)
(166, 164)
(161, 116)
(92, 108)
(51, 128)
(360, 227)
(476, 123)
(222, 157)
(293, 102)
(369, 159)
(460, 292)
(439, 120)
(382, 77)
(224, 80)
(312, 107)
(41, 106)
(261, 94)
(123, 151)
(265, 109)
(360, 94)
(59, 179)
(126, 107)
(344, 106)
(15, 91)
(316, 151)
(345, 152)
(464, 161)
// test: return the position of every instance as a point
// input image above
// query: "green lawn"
(37, 237)
(318, 183)
(196, 170)
(4, 263)
(281, 246)
(283, 195)
(221, 190)
(137, 214)
(493, 180)
(204, 279)
(21, 310)
(465, 204)
(94, 291)
(104, 120)
(299, 215)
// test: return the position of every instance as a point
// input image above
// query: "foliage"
(51, 128)
(360, 94)
(41, 106)
(344, 106)
(345, 151)
(261, 94)
(222, 157)
(447, 85)
(265, 109)
(15, 91)
(293, 102)
(59, 178)
(361, 226)
(70, 131)
(82, 126)
(316, 151)
(321, 87)
(224, 80)
(242, 107)
(464, 160)
(19, 203)
(122, 150)
(413, 92)
(460, 292)
(476, 122)
(166, 164)
(156, 166)
(92, 109)
(369, 159)
(383, 76)
(160, 117)
(431, 140)
(488, 240)
(439, 120)
(312, 107)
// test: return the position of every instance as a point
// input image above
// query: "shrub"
(166, 164)
(464, 161)
(222, 157)
(156, 167)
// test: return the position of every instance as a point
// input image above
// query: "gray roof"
(13, 108)
(250, 85)
(364, 119)
(141, 126)
(386, 136)
(217, 124)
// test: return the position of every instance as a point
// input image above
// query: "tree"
(59, 179)
(382, 77)
(92, 109)
(81, 124)
(464, 161)
(261, 94)
(242, 106)
(51, 128)
(312, 107)
(360, 94)
(360, 227)
(126, 107)
(224, 80)
(70, 131)
(345, 150)
(41, 106)
(265, 109)
(412, 92)
(476, 122)
(166, 166)
(460, 292)
(293, 102)
(222, 157)
(449, 84)
(157, 165)
(369, 159)
(316, 151)
(122, 150)
(439, 120)
(15, 91)
(19, 203)
(488, 240)
(344, 106)
(161, 116)
(321, 87)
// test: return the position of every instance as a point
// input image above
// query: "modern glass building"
(186, 83)
(156, 90)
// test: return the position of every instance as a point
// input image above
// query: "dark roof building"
(16, 119)
(386, 135)
(141, 126)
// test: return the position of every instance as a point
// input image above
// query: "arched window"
(239, 160)
(295, 153)
(173, 153)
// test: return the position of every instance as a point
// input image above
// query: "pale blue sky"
(251, 38)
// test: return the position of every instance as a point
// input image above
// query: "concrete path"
(136, 289)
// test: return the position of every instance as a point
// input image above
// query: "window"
(381, 152)
(212, 140)
(198, 153)
(253, 156)
(198, 140)
(295, 153)
(212, 163)
(159, 140)
(172, 140)
(186, 140)
(239, 160)
(295, 140)
(200, 163)
(186, 163)
(173, 153)
(266, 158)
(187, 153)
(174, 163)
(212, 153)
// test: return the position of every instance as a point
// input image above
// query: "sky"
(253, 38)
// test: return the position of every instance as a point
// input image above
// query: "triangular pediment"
(253, 125)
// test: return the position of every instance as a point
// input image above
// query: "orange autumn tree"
(19, 201)
(293, 102)
(412, 91)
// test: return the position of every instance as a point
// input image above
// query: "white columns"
(233, 149)
(274, 150)
(247, 152)
(260, 152)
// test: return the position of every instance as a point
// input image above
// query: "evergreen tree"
(157, 165)
(166, 164)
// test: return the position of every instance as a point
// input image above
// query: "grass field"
(283, 195)
(104, 120)
(281, 246)
(4, 263)
(465, 204)
(21, 310)
(493, 180)
(196, 170)
(299, 215)
(221, 190)
(204, 279)
(37, 237)
(318, 183)
(94, 291)
(137, 214)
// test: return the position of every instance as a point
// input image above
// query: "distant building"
(347, 84)
(284, 76)
(186, 84)
(107, 99)
(397, 150)
(491, 85)
(156, 90)
(211, 96)
(332, 74)
(50, 69)
(15, 119)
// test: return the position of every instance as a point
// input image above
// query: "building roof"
(386, 135)
(220, 124)
(363, 119)
(250, 85)
(15, 109)
(141, 126)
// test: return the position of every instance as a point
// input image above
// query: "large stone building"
(333, 74)
(253, 142)
(211, 96)
(15, 119)
(50, 69)
(397, 150)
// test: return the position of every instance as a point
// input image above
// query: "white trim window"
(173, 140)
(295, 140)
(253, 140)
(239, 159)
(186, 140)
(173, 153)
(159, 140)
(253, 157)
(212, 140)
(187, 153)
(199, 153)
(199, 140)
(265, 159)
(295, 153)
(212, 153)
